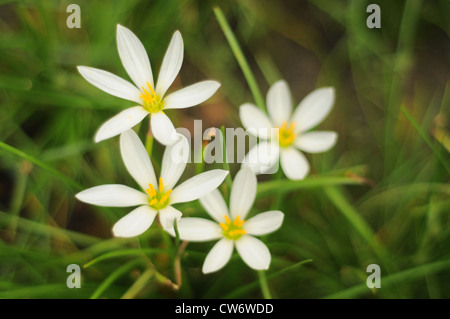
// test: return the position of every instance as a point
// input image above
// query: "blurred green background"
(381, 195)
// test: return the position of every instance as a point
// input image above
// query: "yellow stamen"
(291, 128)
(152, 190)
(286, 134)
(236, 221)
(152, 102)
(165, 197)
(158, 199)
(233, 229)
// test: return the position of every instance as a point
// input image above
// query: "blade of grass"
(426, 139)
(358, 223)
(234, 45)
(44, 229)
(253, 285)
(121, 253)
(41, 164)
(113, 277)
(284, 185)
(139, 284)
(402, 276)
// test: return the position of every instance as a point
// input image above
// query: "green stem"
(234, 45)
(139, 284)
(41, 164)
(226, 165)
(114, 276)
(177, 235)
(149, 142)
(264, 285)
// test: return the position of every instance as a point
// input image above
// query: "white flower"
(293, 130)
(231, 227)
(157, 196)
(150, 96)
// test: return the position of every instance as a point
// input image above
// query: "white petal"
(120, 123)
(163, 129)
(316, 142)
(254, 252)
(215, 205)
(264, 223)
(218, 256)
(111, 83)
(294, 164)
(112, 195)
(134, 57)
(167, 215)
(313, 109)
(197, 229)
(171, 64)
(198, 186)
(243, 193)
(279, 104)
(262, 158)
(191, 95)
(255, 121)
(136, 159)
(134, 223)
(174, 162)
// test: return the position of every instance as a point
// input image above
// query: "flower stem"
(226, 165)
(264, 285)
(149, 141)
(234, 45)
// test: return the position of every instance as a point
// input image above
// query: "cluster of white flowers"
(157, 196)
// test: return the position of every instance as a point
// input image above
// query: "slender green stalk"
(114, 276)
(177, 234)
(41, 164)
(234, 45)
(149, 141)
(120, 253)
(426, 139)
(360, 225)
(139, 284)
(226, 165)
(253, 285)
(263, 284)
(407, 275)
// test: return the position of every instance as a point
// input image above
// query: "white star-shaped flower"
(293, 132)
(157, 196)
(151, 97)
(231, 227)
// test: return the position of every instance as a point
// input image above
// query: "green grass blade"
(234, 45)
(402, 276)
(255, 284)
(284, 185)
(113, 277)
(41, 164)
(121, 253)
(427, 140)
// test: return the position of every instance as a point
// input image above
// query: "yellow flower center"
(232, 230)
(152, 102)
(286, 134)
(158, 199)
